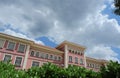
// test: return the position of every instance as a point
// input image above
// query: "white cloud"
(79, 21)
(102, 52)
(13, 33)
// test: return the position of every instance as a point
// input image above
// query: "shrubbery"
(50, 70)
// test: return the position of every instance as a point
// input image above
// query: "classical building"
(25, 53)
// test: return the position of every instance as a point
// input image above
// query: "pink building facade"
(25, 54)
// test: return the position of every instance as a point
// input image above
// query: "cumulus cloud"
(17, 34)
(79, 21)
(101, 52)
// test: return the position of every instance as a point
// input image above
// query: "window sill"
(20, 51)
(10, 49)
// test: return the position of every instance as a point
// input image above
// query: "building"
(25, 53)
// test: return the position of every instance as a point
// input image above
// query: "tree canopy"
(117, 7)
(49, 70)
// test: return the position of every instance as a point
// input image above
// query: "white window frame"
(7, 54)
(19, 46)
(35, 61)
(8, 45)
(21, 61)
(3, 43)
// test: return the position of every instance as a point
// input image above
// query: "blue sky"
(49, 22)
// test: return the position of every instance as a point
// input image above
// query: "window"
(32, 53)
(37, 54)
(21, 48)
(51, 56)
(76, 60)
(70, 58)
(46, 56)
(11, 46)
(1, 43)
(59, 58)
(55, 57)
(42, 55)
(18, 61)
(81, 61)
(7, 58)
(34, 63)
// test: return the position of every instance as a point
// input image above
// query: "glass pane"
(55, 57)
(21, 48)
(35, 63)
(46, 56)
(32, 53)
(37, 54)
(70, 58)
(76, 60)
(11, 45)
(7, 58)
(51, 56)
(1, 43)
(81, 61)
(18, 61)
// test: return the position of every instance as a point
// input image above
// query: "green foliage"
(49, 70)
(112, 70)
(117, 7)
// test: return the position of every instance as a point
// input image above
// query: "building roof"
(30, 42)
(70, 43)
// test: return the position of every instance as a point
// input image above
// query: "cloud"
(79, 21)
(101, 52)
(17, 34)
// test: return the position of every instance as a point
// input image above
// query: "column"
(26, 56)
(85, 64)
(66, 57)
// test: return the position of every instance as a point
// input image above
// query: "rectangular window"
(18, 61)
(21, 48)
(76, 60)
(81, 61)
(1, 43)
(11, 46)
(7, 58)
(34, 63)
(70, 58)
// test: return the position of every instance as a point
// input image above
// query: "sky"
(90, 23)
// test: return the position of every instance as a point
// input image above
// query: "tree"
(117, 6)
(112, 70)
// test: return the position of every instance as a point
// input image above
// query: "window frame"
(34, 61)
(21, 61)
(31, 52)
(38, 54)
(81, 61)
(76, 60)
(9, 43)
(7, 54)
(19, 47)
(70, 59)
(3, 43)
